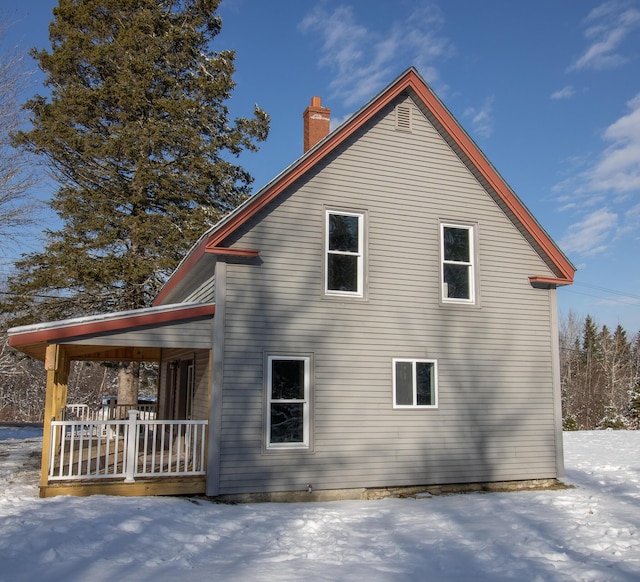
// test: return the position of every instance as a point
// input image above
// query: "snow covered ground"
(588, 533)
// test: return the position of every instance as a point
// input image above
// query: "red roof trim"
(88, 328)
(410, 80)
(492, 177)
(305, 164)
(190, 261)
(545, 281)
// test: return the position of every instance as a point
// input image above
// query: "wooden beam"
(231, 252)
(166, 486)
(101, 353)
(57, 365)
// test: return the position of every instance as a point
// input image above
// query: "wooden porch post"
(57, 365)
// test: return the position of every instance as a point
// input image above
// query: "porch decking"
(124, 456)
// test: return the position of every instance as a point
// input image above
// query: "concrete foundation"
(418, 491)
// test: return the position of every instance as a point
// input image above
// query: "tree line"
(599, 369)
(600, 375)
(23, 383)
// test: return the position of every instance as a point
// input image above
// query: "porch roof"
(138, 334)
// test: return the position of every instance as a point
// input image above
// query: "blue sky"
(549, 90)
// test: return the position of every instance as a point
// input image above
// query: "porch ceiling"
(124, 336)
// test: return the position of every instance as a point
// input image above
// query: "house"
(381, 314)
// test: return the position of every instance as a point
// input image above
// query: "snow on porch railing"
(126, 449)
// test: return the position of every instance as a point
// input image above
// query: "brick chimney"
(316, 123)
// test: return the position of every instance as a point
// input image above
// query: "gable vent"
(403, 117)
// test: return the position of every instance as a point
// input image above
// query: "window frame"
(360, 254)
(305, 444)
(414, 362)
(471, 265)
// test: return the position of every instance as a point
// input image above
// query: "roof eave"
(544, 282)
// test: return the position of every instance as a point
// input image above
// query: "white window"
(344, 261)
(457, 255)
(288, 388)
(415, 383)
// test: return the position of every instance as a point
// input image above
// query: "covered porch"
(138, 450)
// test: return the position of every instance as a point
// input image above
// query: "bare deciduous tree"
(22, 385)
(17, 175)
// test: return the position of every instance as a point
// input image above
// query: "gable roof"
(409, 83)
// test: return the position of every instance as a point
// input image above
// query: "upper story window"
(344, 261)
(457, 252)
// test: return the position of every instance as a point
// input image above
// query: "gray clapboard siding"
(193, 334)
(198, 286)
(495, 418)
(379, 457)
(446, 467)
(204, 292)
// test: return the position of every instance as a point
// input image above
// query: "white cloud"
(631, 224)
(591, 235)
(613, 174)
(337, 121)
(482, 118)
(364, 60)
(607, 26)
(567, 206)
(564, 93)
(618, 169)
(633, 213)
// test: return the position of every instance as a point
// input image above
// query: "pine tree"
(138, 135)
(621, 369)
(614, 362)
(592, 395)
(633, 407)
(590, 341)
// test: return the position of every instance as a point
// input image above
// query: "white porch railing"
(126, 449)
